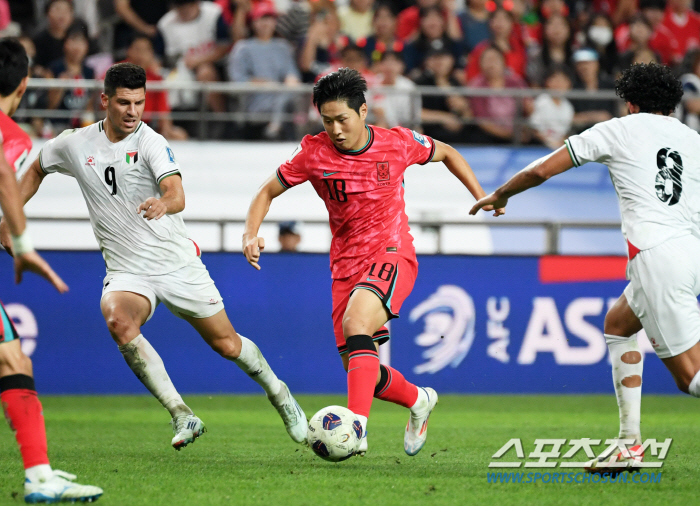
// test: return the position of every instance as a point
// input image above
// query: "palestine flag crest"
(132, 157)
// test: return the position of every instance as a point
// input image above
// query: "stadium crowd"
(554, 45)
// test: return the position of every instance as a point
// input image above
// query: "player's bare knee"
(633, 381)
(228, 347)
(631, 357)
(354, 325)
(122, 328)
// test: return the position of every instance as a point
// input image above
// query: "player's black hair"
(346, 85)
(650, 86)
(124, 75)
(14, 65)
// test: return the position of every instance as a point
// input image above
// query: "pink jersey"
(363, 191)
(16, 143)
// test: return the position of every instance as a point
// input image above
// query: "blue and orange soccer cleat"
(59, 488)
(417, 426)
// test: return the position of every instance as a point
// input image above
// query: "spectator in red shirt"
(140, 52)
(501, 27)
(409, 19)
(684, 24)
(495, 115)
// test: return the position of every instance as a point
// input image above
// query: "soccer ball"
(334, 433)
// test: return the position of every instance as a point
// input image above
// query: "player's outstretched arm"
(252, 244)
(13, 228)
(456, 164)
(533, 175)
(171, 202)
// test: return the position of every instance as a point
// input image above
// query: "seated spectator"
(49, 42)
(552, 114)
(294, 24)
(395, 104)
(264, 59)
(689, 110)
(644, 56)
(474, 22)
(383, 36)
(72, 66)
(409, 19)
(289, 236)
(555, 50)
(194, 39)
(684, 25)
(432, 36)
(137, 17)
(322, 46)
(501, 28)
(640, 32)
(662, 40)
(141, 53)
(8, 28)
(443, 116)
(600, 37)
(34, 98)
(356, 19)
(619, 11)
(588, 78)
(495, 115)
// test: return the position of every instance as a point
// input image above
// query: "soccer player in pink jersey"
(358, 171)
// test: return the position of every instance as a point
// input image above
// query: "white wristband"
(22, 244)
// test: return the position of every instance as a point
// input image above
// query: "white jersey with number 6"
(115, 177)
(654, 163)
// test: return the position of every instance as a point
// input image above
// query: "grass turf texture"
(123, 445)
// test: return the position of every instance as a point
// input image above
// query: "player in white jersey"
(132, 186)
(654, 163)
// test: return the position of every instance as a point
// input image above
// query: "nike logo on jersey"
(326, 174)
(374, 280)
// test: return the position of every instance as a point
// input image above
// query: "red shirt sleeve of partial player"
(419, 149)
(293, 171)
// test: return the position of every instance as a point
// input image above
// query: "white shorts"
(663, 289)
(187, 291)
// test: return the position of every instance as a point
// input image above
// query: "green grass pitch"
(122, 445)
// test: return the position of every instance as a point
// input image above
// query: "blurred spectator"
(552, 114)
(322, 46)
(294, 24)
(23, 12)
(383, 36)
(555, 50)
(86, 10)
(588, 78)
(619, 11)
(600, 37)
(640, 32)
(501, 28)
(443, 116)
(194, 38)
(689, 111)
(432, 36)
(49, 42)
(263, 59)
(662, 40)
(684, 25)
(8, 28)
(141, 53)
(34, 98)
(395, 104)
(356, 19)
(72, 66)
(496, 115)
(644, 56)
(137, 17)
(353, 56)
(474, 22)
(409, 19)
(289, 236)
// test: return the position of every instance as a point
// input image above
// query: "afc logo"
(90, 161)
(383, 174)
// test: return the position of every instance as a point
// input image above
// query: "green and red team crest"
(132, 157)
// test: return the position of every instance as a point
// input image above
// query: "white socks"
(252, 362)
(627, 370)
(148, 367)
(694, 387)
(37, 474)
